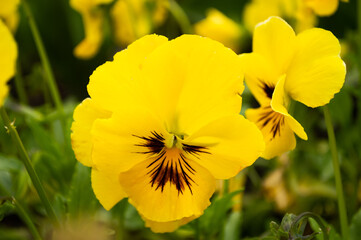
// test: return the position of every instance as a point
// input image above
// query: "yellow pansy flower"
(162, 124)
(306, 68)
(9, 13)
(323, 7)
(93, 19)
(259, 10)
(136, 18)
(8, 55)
(219, 27)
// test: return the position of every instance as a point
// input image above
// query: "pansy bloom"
(323, 7)
(297, 11)
(8, 55)
(162, 124)
(136, 18)
(219, 27)
(93, 17)
(283, 66)
(9, 13)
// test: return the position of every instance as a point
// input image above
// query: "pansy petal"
(275, 40)
(115, 82)
(89, 46)
(106, 188)
(317, 72)
(131, 20)
(166, 203)
(280, 102)
(231, 144)
(219, 27)
(161, 227)
(277, 134)
(182, 79)
(81, 139)
(260, 77)
(117, 140)
(322, 7)
(8, 53)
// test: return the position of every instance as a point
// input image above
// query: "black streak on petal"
(275, 119)
(163, 169)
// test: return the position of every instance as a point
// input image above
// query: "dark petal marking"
(268, 88)
(271, 117)
(164, 169)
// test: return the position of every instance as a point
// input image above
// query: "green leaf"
(81, 196)
(232, 227)
(6, 207)
(132, 219)
(355, 228)
(332, 234)
(212, 220)
(9, 164)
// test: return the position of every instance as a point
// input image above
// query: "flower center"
(169, 161)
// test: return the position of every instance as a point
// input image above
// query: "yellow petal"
(93, 24)
(106, 188)
(219, 27)
(130, 20)
(115, 83)
(258, 11)
(92, 17)
(275, 40)
(229, 150)
(8, 56)
(260, 77)
(317, 72)
(85, 5)
(166, 203)
(161, 227)
(81, 139)
(323, 7)
(277, 134)
(117, 140)
(279, 103)
(191, 81)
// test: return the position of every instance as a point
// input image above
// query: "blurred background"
(299, 181)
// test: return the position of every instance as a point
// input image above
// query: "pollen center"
(169, 163)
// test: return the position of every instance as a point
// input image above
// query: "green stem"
(359, 24)
(359, 39)
(337, 172)
(119, 214)
(19, 85)
(225, 186)
(22, 213)
(44, 58)
(29, 167)
(26, 218)
(180, 16)
(197, 235)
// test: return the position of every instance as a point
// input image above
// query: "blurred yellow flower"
(219, 27)
(323, 7)
(136, 18)
(82, 229)
(9, 13)
(162, 124)
(8, 55)
(93, 18)
(306, 68)
(276, 186)
(259, 10)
